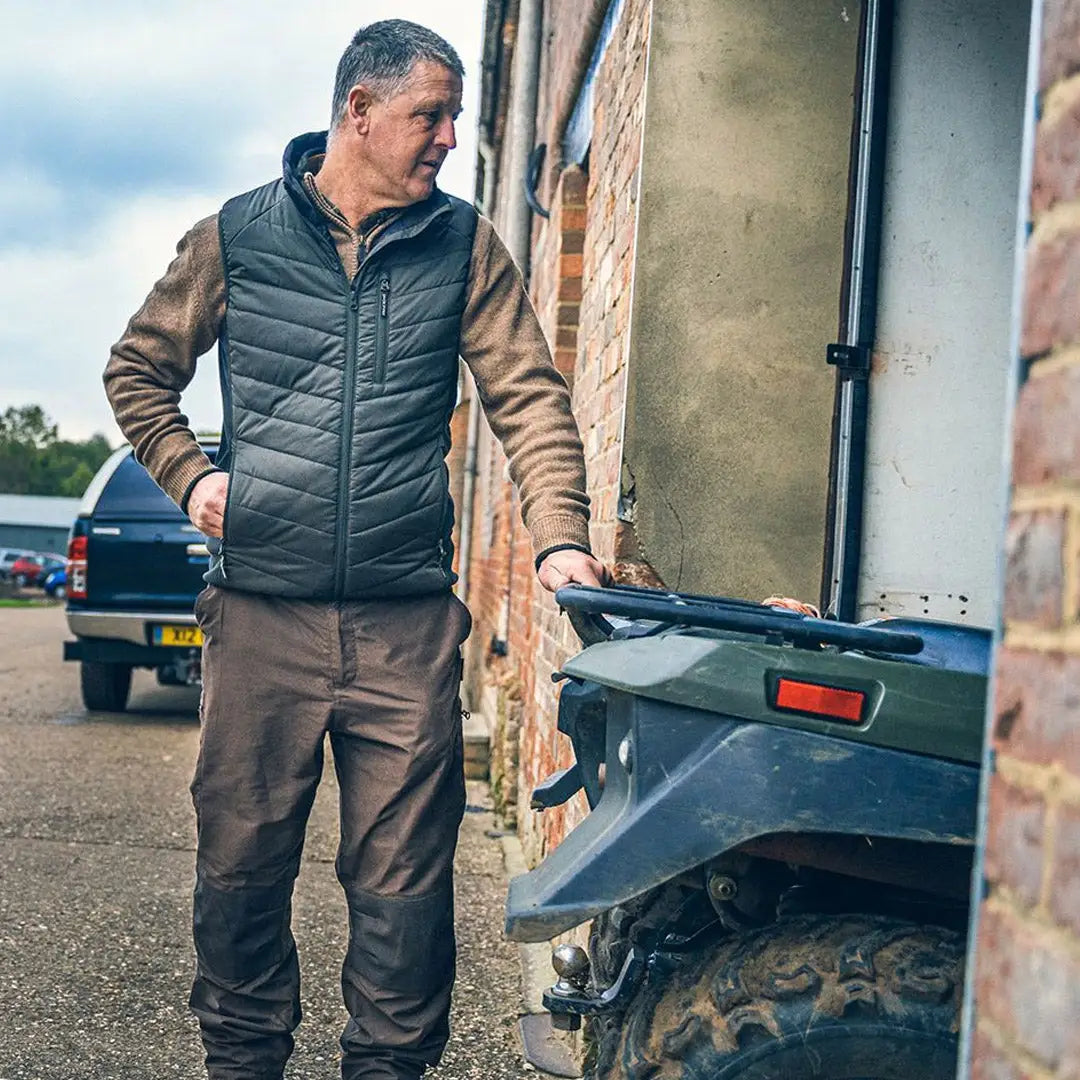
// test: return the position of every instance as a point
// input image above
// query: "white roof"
(52, 511)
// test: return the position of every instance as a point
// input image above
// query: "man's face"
(410, 135)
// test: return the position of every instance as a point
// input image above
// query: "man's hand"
(571, 567)
(206, 503)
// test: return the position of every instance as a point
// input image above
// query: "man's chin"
(422, 186)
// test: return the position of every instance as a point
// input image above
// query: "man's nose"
(445, 137)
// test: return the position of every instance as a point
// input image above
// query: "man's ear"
(359, 108)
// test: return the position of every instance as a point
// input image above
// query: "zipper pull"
(354, 301)
(384, 297)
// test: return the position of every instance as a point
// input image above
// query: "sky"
(124, 123)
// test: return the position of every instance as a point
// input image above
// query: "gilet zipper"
(382, 324)
(348, 409)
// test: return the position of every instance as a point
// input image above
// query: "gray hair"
(382, 56)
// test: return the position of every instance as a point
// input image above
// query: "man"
(341, 297)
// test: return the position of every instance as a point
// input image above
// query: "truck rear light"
(76, 568)
(817, 700)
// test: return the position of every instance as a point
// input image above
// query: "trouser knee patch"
(403, 944)
(242, 932)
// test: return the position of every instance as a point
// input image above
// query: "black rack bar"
(741, 616)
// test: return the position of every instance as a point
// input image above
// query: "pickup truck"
(134, 567)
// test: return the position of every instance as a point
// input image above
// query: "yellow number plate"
(177, 635)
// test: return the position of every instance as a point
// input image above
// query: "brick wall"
(580, 272)
(602, 223)
(1028, 967)
(556, 293)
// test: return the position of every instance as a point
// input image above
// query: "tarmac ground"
(96, 872)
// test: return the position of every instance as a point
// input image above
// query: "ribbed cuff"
(558, 547)
(181, 476)
(559, 530)
(191, 486)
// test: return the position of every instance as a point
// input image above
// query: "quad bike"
(778, 853)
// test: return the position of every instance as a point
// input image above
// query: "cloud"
(71, 303)
(124, 123)
(115, 97)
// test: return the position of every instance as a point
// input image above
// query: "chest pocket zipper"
(382, 325)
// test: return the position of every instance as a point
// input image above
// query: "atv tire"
(849, 997)
(105, 687)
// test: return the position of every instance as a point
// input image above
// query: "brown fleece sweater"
(525, 399)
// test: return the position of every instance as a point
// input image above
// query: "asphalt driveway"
(96, 870)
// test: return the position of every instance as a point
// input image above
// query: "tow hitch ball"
(572, 997)
(571, 964)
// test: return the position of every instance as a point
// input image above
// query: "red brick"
(570, 266)
(1014, 842)
(1065, 880)
(1046, 435)
(565, 359)
(1029, 988)
(568, 314)
(1056, 170)
(1034, 571)
(573, 220)
(1051, 288)
(1037, 707)
(570, 289)
(573, 241)
(575, 184)
(1060, 41)
(572, 305)
(990, 1063)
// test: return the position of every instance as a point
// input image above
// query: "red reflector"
(76, 568)
(820, 700)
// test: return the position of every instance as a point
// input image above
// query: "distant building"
(36, 522)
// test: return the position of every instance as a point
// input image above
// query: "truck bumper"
(105, 650)
(133, 627)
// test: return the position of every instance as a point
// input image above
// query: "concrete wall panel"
(740, 249)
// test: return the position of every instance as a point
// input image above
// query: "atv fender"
(684, 786)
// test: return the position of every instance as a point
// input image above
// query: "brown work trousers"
(381, 678)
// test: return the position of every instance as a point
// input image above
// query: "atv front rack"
(587, 606)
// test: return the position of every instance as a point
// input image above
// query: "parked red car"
(28, 570)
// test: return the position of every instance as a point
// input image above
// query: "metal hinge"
(852, 360)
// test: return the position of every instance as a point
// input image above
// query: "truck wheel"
(810, 998)
(105, 687)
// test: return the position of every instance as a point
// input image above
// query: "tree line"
(34, 460)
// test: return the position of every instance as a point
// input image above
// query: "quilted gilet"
(338, 396)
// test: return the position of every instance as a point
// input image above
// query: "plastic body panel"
(699, 784)
(919, 709)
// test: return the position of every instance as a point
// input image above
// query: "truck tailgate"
(145, 565)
